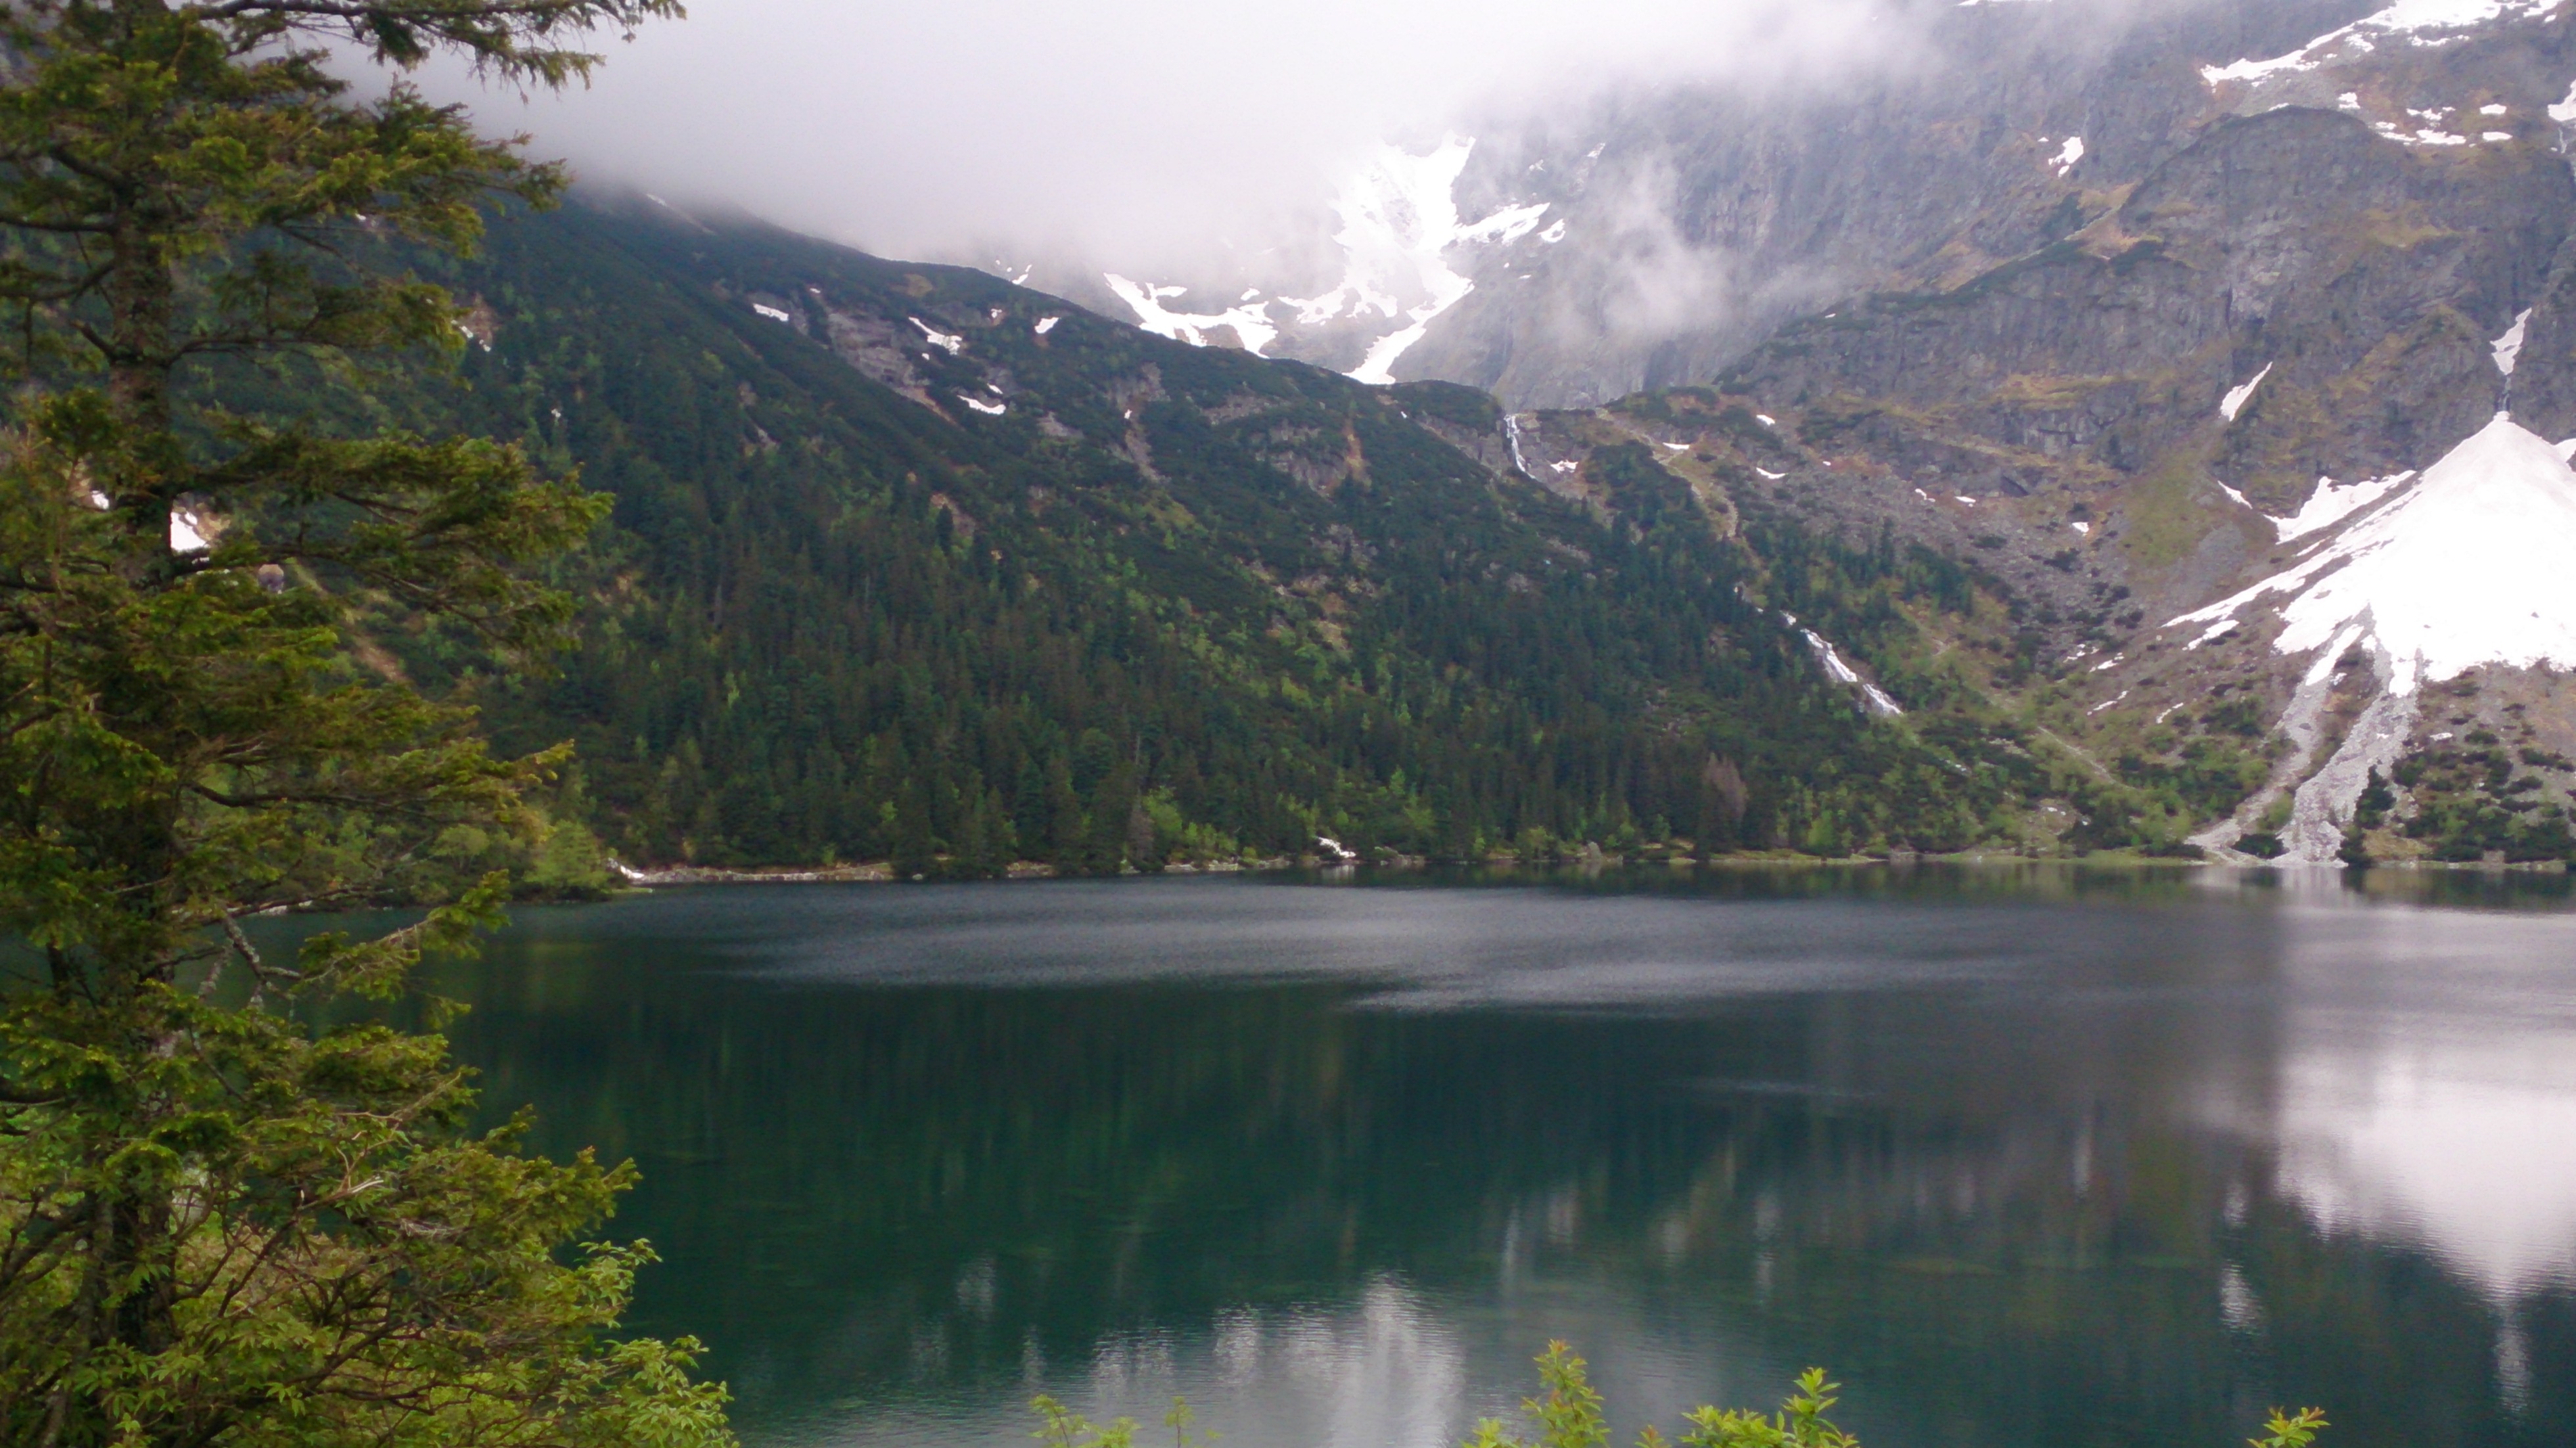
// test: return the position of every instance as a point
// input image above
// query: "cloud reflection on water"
(2437, 1103)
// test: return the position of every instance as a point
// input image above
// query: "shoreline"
(879, 872)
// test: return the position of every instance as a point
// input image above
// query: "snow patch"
(774, 314)
(989, 409)
(2082, 529)
(948, 342)
(2236, 398)
(2323, 669)
(1555, 232)
(1399, 222)
(2508, 348)
(2330, 505)
(1251, 323)
(2068, 154)
(1766, 472)
(2466, 568)
(192, 530)
(2220, 630)
(1047, 324)
(1873, 699)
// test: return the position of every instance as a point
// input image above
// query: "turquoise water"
(2025, 1157)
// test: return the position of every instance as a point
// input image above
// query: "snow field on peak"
(2417, 22)
(1399, 221)
(2468, 566)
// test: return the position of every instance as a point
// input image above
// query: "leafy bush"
(1569, 1413)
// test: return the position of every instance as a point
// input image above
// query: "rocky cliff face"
(1564, 259)
(1706, 221)
(2230, 350)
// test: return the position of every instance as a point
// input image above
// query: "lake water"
(2024, 1157)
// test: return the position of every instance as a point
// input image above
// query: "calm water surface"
(2027, 1158)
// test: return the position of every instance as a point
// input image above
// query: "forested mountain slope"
(910, 563)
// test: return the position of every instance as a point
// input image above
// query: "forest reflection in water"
(2026, 1157)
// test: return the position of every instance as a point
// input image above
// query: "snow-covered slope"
(2469, 565)
(2462, 568)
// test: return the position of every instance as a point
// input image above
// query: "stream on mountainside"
(2026, 1156)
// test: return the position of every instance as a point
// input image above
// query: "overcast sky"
(1145, 128)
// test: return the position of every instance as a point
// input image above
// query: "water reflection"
(2028, 1159)
(2428, 1090)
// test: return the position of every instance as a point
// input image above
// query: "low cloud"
(1161, 134)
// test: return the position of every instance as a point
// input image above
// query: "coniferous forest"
(908, 563)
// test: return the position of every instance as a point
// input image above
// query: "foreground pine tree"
(218, 1226)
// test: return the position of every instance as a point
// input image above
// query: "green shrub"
(1569, 1413)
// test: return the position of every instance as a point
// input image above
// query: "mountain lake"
(2025, 1155)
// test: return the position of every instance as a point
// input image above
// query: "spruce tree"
(219, 1225)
